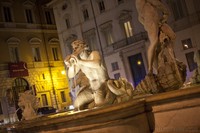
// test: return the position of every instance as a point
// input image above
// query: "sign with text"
(18, 69)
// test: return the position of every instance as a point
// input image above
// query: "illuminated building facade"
(30, 56)
(112, 27)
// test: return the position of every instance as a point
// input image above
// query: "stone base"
(171, 112)
(175, 112)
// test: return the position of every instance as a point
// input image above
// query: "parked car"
(46, 110)
(69, 108)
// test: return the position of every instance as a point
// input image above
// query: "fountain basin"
(174, 111)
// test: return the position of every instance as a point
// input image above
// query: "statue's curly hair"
(81, 43)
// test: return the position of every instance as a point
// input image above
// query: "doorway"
(18, 86)
(137, 68)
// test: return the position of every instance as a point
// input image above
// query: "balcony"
(27, 26)
(130, 40)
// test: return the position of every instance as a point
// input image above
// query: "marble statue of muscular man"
(90, 63)
(152, 14)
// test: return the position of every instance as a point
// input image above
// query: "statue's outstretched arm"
(93, 62)
(72, 68)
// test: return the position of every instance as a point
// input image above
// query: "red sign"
(18, 69)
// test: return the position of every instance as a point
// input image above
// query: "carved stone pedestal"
(170, 112)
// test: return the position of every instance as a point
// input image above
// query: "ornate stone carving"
(102, 90)
(28, 103)
(170, 72)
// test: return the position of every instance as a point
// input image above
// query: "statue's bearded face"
(78, 45)
(75, 47)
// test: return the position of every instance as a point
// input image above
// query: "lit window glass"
(187, 44)
(128, 29)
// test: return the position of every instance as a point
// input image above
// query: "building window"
(7, 14)
(63, 97)
(106, 29)
(64, 6)
(44, 100)
(43, 76)
(109, 38)
(187, 44)
(114, 66)
(128, 29)
(91, 41)
(36, 54)
(29, 16)
(196, 5)
(85, 14)
(90, 38)
(48, 17)
(67, 22)
(179, 8)
(190, 60)
(101, 6)
(14, 53)
(117, 75)
(120, 1)
(55, 54)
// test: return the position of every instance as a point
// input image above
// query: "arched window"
(35, 44)
(19, 85)
(106, 29)
(54, 44)
(28, 11)
(13, 44)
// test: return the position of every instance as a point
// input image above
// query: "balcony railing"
(130, 40)
(186, 22)
(4, 66)
(27, 26)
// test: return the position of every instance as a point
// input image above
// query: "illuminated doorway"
(137, 68)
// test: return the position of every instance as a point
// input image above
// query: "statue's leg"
(85, 97)
(99, 96)
(153, 38)
(103, 96)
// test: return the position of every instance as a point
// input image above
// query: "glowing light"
(63, 72)
(139, 62)
(185, 45)
(71, 107)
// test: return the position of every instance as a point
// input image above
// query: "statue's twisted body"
(90, 63)
(153, 14)
(170, 73)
